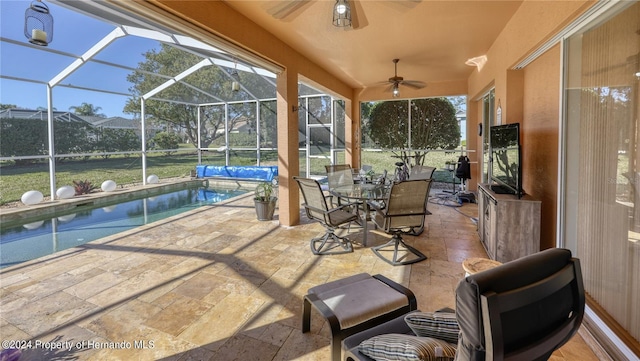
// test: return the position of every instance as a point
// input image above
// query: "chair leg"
(336, 348)
(306, 315)
(329, 242)
(398, 246)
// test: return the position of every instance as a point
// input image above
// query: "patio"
(215, 284)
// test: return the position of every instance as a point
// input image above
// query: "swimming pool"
(41, 237)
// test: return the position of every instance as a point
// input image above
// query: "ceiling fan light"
(341, 14)
(396, 91)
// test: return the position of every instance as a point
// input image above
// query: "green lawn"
(15, 180)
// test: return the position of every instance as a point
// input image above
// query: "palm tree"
(87, 109)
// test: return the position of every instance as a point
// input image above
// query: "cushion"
(440, 325)
(361, 300)
(398, 347)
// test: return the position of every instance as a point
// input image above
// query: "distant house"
(120, 123)
(40, 115)
(92, 121)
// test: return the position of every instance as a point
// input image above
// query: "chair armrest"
(343, 206)
(330, 198)
(335, 209)
(376, 205)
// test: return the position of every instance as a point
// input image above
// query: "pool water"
(39, 238)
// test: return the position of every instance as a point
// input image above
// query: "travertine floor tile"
(216, 284)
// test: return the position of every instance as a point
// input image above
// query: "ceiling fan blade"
(389, 88)
(287, 8)
(358, 19)
(415, 84)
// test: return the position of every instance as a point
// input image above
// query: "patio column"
(288, 155)
(352, 131)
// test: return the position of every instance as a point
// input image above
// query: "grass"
(15, 180)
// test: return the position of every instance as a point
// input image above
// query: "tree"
(27, 137)
(88, 110)
(433, 126)
(165, 141)
(117, 140)
(180, 111)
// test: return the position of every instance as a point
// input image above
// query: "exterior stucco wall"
(530, 96)
(540, 129)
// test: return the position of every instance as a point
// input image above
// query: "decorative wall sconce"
(478, 62)
(38, 24)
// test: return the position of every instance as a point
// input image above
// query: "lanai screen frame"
(226, 60)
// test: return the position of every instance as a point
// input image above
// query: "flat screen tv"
(506, 170)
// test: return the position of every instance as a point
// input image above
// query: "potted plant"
(265, 201)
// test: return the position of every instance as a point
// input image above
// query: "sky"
(73, 34)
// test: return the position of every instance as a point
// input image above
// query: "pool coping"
(26, 214)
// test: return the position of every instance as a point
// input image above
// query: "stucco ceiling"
(432, 39)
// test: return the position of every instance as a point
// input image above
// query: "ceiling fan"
(395, 82)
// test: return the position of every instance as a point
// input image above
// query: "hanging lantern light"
(38, 24)
(235, 84)
(341, 14)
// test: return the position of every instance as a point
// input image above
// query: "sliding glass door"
(601, 208)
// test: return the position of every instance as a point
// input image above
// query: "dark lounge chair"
(522, 310)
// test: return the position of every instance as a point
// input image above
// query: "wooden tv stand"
(509, 227)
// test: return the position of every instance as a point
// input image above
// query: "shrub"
(83, 187)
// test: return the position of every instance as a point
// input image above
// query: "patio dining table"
(363, 193)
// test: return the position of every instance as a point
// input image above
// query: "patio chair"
(317, 209)
(522, 310)
(340, 178)
(404, 212)
(330, 168)
(421, 172)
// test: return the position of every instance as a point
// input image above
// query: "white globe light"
(109, 209)
(32, 197)
(33, 225)
(67, 217)
(65, 192)
(153, 179)
(108, 186)
(341, 9)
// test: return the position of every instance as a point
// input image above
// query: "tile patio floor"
(214, 284)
